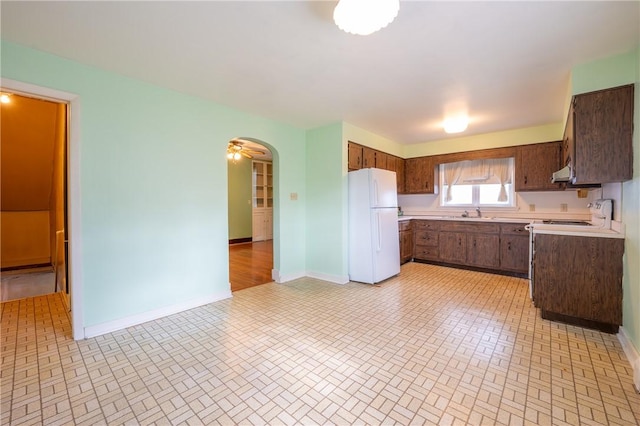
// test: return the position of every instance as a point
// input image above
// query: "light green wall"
(612, 72)
(546, 133)
(326, 204)
(239, 175)
(609, 72)
(153, 179)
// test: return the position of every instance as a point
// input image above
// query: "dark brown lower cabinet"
(514, 253)
(500, 247)
(406, 241)
(452, 247)
(482, 250)
(578, 280)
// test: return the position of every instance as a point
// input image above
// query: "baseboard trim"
(119, 324)
(336, 279)
(27, 266)
(240, 240)
(283, 278)
(632, 355)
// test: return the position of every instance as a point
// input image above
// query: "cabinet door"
(268, 224)
(368, 157)
(568, 142)
(381, 160)
(535, 164)
(355, 156)
(391, 163)
(400, 175)
(452, 247)
(483, 250)
(514, 253)
(406, 245)
(603, 129)
(579, 277)
(419, 175)
(258, 232)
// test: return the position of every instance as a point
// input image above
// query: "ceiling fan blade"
(244, 153)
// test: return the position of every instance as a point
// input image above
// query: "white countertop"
(487, 219)
(576, 231)
(539, 228)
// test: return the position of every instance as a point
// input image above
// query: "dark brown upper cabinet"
(535, 164)
(598, 136)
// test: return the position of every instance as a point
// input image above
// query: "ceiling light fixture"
(233, 151)
(363, 17)
(456, 124)
(236, 150)
(5, 98)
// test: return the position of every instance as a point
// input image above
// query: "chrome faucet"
(478, 212)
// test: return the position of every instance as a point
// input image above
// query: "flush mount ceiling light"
(5, 98)
(456, 124)
(363, 17)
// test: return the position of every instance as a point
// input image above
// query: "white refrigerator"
(374, 248)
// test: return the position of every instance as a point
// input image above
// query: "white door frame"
(74, 220)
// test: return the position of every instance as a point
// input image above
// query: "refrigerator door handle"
(379, 231)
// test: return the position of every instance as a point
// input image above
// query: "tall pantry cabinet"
(262, 200)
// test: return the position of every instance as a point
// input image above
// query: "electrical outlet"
(532, 207)
(563, 207)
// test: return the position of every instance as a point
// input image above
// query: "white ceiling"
(508, 63)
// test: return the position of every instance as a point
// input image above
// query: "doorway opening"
(250, 170)
(73, 227)
(34, 197)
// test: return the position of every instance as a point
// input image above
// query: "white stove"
(600, 210)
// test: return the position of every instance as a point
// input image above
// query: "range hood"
(562, 175)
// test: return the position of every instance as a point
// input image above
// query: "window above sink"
(478, 183)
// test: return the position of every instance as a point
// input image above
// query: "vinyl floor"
(432, 346)
(19, 284)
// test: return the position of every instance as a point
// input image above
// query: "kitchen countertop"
(468, 219)
(576, 231)
(539, 228)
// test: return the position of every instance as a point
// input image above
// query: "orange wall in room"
(30, 132)
(25, 238)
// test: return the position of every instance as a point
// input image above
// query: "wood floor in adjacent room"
(250, 264)
(434, 345)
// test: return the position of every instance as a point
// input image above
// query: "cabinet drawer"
(404, 225)
(514, 229)
(426, 238)
(433, 225)
(425, 253)
(471, 226)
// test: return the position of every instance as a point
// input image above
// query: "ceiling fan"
(235, 150)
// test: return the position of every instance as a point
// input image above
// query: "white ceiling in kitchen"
(508, 63)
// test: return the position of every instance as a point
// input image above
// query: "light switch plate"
(293, 196)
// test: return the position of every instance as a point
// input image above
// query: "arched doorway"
(251, 202)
